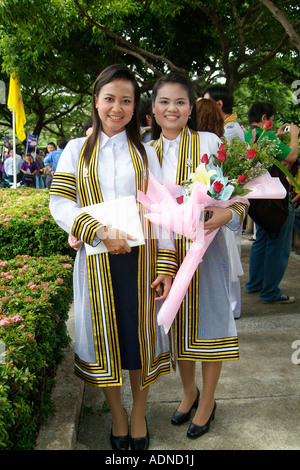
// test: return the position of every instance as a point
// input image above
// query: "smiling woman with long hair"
(204, 328)
(114, 292)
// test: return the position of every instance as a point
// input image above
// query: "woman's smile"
(172, 109)
(115, 104)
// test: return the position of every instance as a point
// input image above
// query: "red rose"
(204, 158)
(222, 155)
(222, 146)
(242, 178)
(218, 186)
(251, 154)
(180, 199)
(268, 125)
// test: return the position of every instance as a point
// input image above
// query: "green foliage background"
(58, 47)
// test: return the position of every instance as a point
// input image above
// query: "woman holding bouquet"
(114, 301)
(204, 328)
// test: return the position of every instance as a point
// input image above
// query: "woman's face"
(115, 104)
(172, 109)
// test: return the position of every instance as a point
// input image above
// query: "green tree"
(58, 47)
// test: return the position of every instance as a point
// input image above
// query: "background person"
(53, 157)
(146, 119)
(40, 177)
(9, 167)
(270, 252)
(224, 97)
(29, 169)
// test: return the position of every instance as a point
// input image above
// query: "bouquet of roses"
(236, 164)
(237, 170)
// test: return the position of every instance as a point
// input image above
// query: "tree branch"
(211, 13)
(140, 57)
(294, 37)
(128, 44)
(264, 60)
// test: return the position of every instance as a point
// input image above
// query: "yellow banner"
(15, 103)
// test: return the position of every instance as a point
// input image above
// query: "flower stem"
(264, 130)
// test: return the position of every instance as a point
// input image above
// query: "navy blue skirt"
(124, 273)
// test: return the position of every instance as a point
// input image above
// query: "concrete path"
(258, 397)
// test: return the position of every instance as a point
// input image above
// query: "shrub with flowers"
(27, 227)
(35, 295)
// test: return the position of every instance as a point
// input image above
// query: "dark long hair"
(110, 73)
(186, 83)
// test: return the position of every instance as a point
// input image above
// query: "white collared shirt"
(170, 157)
(209, 144)
(116, 176)
(9, 165)
(116, 171)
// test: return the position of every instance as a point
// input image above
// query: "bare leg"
(187, 370)
(210, 375)
(119, 417)
(138, 413)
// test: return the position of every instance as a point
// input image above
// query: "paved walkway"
(258, 397)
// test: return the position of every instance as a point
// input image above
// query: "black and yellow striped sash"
(189, 153)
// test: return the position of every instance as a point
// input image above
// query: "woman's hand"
(162, 285)
(74, 242)
(220, 216)
(115, 240)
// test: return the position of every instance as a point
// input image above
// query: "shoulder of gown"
(209, 143)
(69, 158)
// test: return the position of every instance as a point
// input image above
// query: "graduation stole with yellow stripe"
(188, 160)
(99, 273)
(89, 190)
(231, 118)
(104, 371)
(189, 153)
(87, 177)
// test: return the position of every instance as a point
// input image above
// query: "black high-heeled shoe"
(194, 431)
(140, 443)
(180, 418)
(119, 442)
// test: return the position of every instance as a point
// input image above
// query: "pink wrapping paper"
(184, 219)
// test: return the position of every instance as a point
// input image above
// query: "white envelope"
(121, 214)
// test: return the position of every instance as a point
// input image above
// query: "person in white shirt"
(204, 328)
(223, 96)
(114, 292)
(9, 167)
